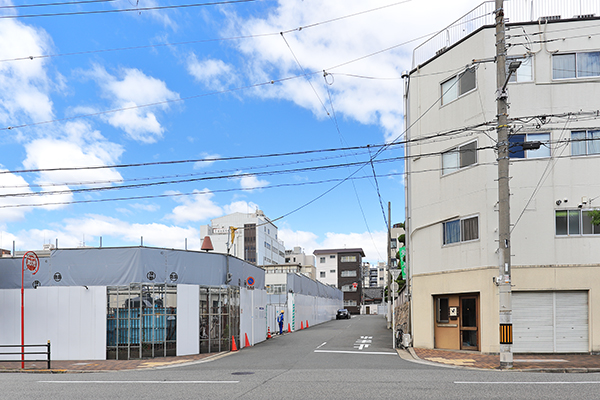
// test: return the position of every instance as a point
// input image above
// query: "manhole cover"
(242, 373)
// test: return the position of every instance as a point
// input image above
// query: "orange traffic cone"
(269, 333)
(233, 346)
(306, 324)
(301, 325)
(247, 344)
(289, 328)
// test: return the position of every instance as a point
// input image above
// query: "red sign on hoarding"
(31, 262)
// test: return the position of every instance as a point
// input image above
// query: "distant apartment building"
(342, 268)
(297, 256)
(255, 238)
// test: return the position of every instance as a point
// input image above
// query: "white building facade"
(255, 238)
(452, 173)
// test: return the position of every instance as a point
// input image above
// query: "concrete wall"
(72, 318)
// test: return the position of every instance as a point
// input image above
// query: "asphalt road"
(336, 360)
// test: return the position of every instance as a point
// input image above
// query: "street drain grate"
(242, 373)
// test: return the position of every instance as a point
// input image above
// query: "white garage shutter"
(550, 322)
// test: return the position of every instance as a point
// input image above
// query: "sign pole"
(22, 315)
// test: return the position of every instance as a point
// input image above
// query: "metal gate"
(219, 318)
(141, 321)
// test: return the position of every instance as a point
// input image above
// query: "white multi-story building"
(255, 238)
(453, 190)
(297, 256)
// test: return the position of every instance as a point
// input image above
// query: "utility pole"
(389, 272)
(504, 279)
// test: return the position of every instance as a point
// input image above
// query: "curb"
(410, 355)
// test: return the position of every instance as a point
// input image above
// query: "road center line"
(113, 382)
(527, 383)
(356, 352)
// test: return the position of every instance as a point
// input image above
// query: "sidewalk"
(61, 366)
(521, 362)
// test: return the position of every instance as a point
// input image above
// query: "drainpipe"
(407, 221)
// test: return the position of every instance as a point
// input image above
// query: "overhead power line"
(137, 9)
(64, 3)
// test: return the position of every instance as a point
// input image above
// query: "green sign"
(401, 256)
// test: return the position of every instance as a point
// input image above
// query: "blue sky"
(203, 85)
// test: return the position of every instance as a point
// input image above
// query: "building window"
(332, 256)
(332, 271)
(322, 260)
(517, 146)
(575, 223)
(348, 258)
(442, 310)
(458, 85)
(349, 288)
(575, 65)
(459, 157)
(525, 71)
(322, 274)
(585, 142)
(461, 230)
(349, 303)
(349, 274)
(279, 288)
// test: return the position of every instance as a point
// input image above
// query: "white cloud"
(336, 43)
(159, 235)
(373, 244)
(130, 89)
(207, 160)
(214, 74)
(240, 206)
(16, 184)
(25, 84)
(79, 146)
(195, 208)
(251, 182)
(145, 207)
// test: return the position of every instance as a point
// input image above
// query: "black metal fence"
(24, 352)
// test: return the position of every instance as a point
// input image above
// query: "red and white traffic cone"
(269, 332)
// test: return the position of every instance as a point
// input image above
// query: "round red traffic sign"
(355, 285)
(31, 262)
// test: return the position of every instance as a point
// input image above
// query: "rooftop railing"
(514, 11)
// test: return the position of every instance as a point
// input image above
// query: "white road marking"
(355, 352)
(528, 383)
(321, 345)
(546, 360)
(113, 382)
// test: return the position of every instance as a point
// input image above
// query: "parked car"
(342, 314)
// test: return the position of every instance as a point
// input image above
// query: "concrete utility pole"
(389, 272)
(504, 278)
